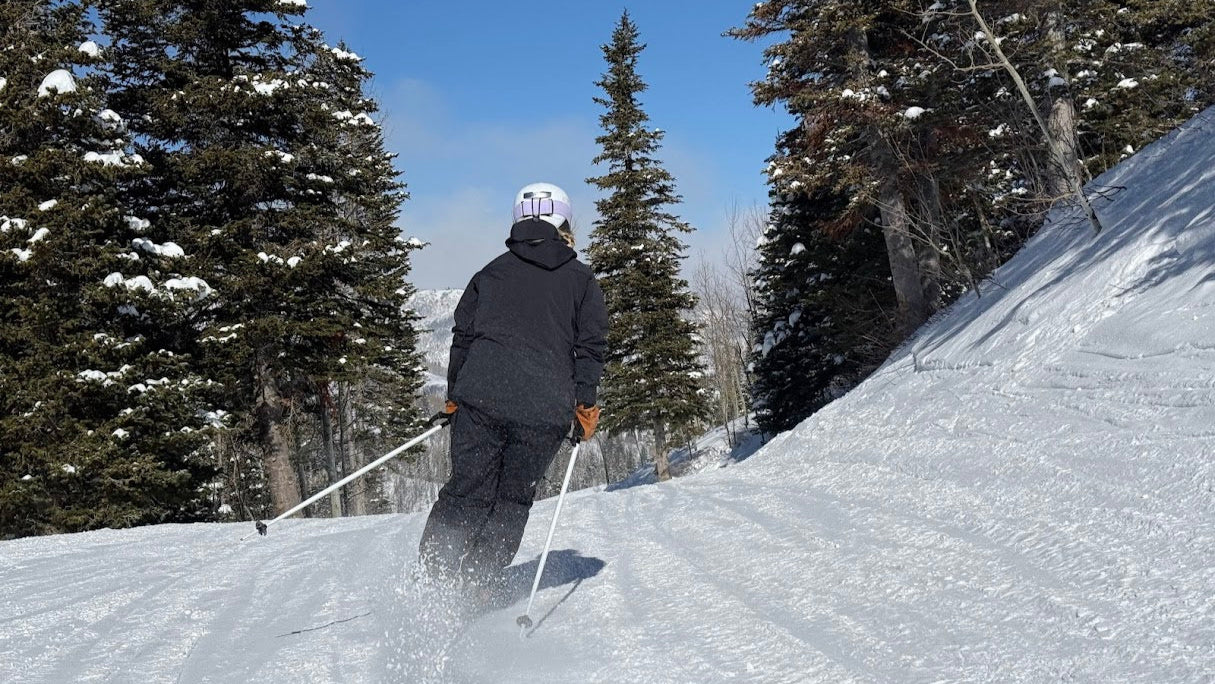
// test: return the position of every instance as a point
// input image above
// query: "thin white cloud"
(463, 174)
(463, 169)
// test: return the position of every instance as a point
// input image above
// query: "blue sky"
(482, 97)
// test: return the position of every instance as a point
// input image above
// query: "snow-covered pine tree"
(822, 296)
(233, 122)
(836, 71)
(204, 88)
(653, 378)
(832, 301)
(1131, 70)
(102, 422)
(1105, 78)
(903, 110)
(957, 135)
(363, 355)
(908, 143)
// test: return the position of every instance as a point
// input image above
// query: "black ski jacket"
(530, 332)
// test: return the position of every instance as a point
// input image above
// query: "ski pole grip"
(443, 417)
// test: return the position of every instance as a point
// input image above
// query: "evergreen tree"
(653, 377)
(822, 299)
(852, 78)
(102, 422)
(368, 385)
(831, 299)
(258, 166)
(906, 118)
(1123, 73)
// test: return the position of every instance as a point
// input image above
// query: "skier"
(526, 359)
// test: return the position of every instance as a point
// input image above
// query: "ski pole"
(261, 526)
(524, 621)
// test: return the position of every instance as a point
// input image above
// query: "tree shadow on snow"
(745, 443)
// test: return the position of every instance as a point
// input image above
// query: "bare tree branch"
(990, 36)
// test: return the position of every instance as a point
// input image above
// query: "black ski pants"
(475, 527)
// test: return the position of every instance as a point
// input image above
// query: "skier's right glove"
(444, 417)
(586, 418)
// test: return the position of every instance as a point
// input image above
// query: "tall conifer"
(906, 120)
(362, 356)
(102, 420)
(653, 376)
(260, 167)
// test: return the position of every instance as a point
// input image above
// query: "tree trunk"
(326, 402)
(1076, 189)
(904, 265)
(662, 465)
(744, 382)
(932, 222)
(607, 478)
(896, 224)
(356, 492)
(1063, 175)
(1063, 171)
(276, 445)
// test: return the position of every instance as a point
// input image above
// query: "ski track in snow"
(1024, 493)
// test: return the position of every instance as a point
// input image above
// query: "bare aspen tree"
(745, 227)
(1059, 134)
(723, 322)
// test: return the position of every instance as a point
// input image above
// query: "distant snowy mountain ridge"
(437, 311)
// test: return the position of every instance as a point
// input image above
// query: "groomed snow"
(1023, 493)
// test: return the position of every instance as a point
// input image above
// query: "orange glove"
(587, 417)
(444, 416)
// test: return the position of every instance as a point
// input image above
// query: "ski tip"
(261, 528)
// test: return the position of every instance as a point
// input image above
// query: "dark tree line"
(930, 140)
(203, 295)
(203, 286)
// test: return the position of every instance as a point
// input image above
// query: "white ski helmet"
(543, 201)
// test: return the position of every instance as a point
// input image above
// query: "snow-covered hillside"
(1024, 493)
(437, 311)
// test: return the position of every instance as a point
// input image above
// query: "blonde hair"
(567, 235)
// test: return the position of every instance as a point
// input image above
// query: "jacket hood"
(537, 242)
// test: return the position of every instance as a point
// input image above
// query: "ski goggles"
(543, 206)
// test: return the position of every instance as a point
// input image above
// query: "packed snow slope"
(1024, 493)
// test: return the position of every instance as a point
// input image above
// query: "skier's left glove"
(444, 417)
(586, 419)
